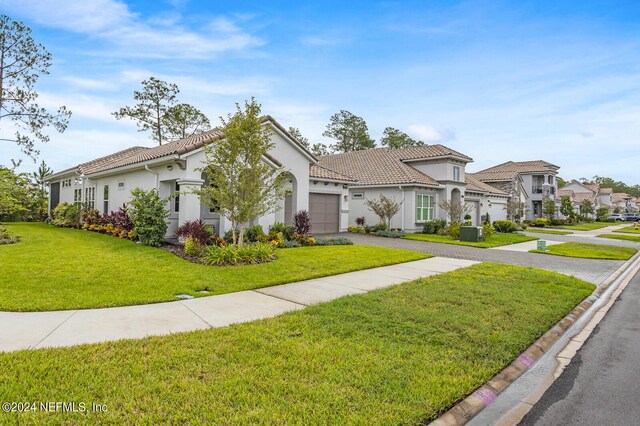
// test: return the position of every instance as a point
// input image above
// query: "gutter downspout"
(146, 167)
(402, 222)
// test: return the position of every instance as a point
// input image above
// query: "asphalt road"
(601, 385)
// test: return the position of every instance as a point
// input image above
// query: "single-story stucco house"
(332, 188)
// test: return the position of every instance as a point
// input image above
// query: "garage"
(325, 213)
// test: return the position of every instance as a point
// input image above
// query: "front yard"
(400, 355)
(495, 240)
(628, 230)
(55, 268)
(589, 251)
(589, 226)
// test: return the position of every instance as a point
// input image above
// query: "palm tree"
(41, 174)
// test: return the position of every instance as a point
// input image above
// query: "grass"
(633, 238)
(495, 240)
(628, 230)
(589, 226)
(546, 231)
(589, 251)
(400, 355)
(55, 268)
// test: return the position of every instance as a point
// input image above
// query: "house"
(623, 202)
(579, 192)
(531, 182)
(418, 179)
(106, 183)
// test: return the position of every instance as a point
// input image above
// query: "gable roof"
(320, 172)
(140, 154)
(621, 196)
(475, 185)
(507, 171)
(380, 166)
(426, 152)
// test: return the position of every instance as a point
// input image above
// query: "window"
(121, 186)
(456, 173)
(90, 197)
(176, 200)
(66, 183)
(105, 198)
(424, 207)
(77, 197)
(357, 196)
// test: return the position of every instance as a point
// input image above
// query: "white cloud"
(89, 83)
(91, 107)
(112, 21)
(430, 134)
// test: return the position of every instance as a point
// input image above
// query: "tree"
(41, 174)
(397, 139)
(319, 149)
(19, 200)
(549, 208)
(295, 132)
(184, 120)
(243, 186)
(515, 210)
(602, 213)
(455, 210)
(560, 182)
(154, 102)
(350, 131)
(385, 208)
(586, 207)
(22, 62)
(566, 207)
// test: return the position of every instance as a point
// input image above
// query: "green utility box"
(542, 245)
(471, 233)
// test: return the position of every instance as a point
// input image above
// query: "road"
(601, 385)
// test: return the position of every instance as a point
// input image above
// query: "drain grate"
(184, 296)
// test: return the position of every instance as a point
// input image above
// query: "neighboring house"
(605, 198)
(417, 178)
(531, 182)
(106, 183)
(623, 201)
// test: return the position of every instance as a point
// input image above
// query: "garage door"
(325, 212)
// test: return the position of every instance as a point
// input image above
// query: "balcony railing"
(537, 189)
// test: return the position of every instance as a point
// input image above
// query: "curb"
(470, 406)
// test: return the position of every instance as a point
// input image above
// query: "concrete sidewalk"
(33, 330)
(526, 246)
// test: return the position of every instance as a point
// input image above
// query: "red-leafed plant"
(302, 222)
(196, 229)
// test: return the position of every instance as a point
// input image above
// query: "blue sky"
(498, 81)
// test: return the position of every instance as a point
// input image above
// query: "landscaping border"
(470, 406)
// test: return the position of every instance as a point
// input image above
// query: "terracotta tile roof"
(475, 185)
(507, 171)
(606, 190)
(620, 196)
(564, 192)
(593, 186)
(581, 196)
(379, 166)
(430, 151)
(320, 172)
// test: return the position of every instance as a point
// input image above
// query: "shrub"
(192, 247)
(66, 215)
(356, 229)
(487, 230)
(148, 216)
(454, 230)
(389, 234)
(119, 219)
(505, 226)
(556, 222)
(432, 227)
(253, 232)
(487, 219)
(467, 217)
(334, 242)
(230, 255)
(302, 222)
(7, 237)
(287, 230)
(196, 230)
(540, 222)
(360, 221)
(91, 217)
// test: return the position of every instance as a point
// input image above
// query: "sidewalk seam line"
(281, 298)
(194, 313)
(52, 331)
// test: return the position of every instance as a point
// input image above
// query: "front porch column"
(189, 202)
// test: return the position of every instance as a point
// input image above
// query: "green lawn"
(495, 240)
(400, 355)
(589, 226)
(55, 268)
(628, 230)
(589, 251)
(635, 238)
(546, 231)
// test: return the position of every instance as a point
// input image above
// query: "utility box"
(471, 233)
(542, 245)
